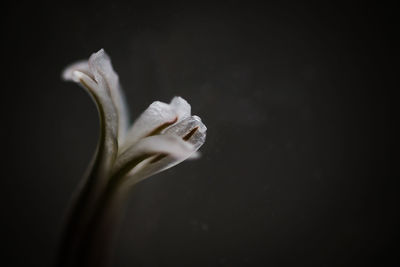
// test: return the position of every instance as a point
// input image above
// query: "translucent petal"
(148, 147)
(107, 147)
(156, 116)
(81, 66)
(192, 125)
(181, 106)
(100, 67)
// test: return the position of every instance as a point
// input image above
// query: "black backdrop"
(296, 169)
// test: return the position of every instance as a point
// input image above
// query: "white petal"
(158, 115)
(181, 107)
(191, 127)
(156, 118)
(100, 66)
(148, 147)
(81, 66)
(108, 144)
(150, 168)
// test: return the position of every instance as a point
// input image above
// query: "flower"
(162, 136)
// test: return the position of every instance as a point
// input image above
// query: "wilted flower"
(162, 136)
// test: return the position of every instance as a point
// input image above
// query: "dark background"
(297, 98)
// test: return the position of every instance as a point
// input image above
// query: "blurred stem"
(86, 203)
(77, 220)
(92, 224)
(99, 237)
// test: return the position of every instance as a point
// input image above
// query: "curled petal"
(108, 144)
(191, 130)
(100, 66)
(181, 107)
(81, 66)
(157, 117)
(152, 121)
(149, 147)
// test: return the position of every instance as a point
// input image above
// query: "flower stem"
(99, 237)
(77, 220)
(91, 222)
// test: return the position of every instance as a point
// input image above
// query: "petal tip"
(202, 127)
(182, 107)
(71, 74)
(98, 58)
(68, 74)
(101, 52)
